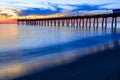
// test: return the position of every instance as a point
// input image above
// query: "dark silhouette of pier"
(83, 21)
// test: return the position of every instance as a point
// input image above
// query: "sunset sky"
(12, 9)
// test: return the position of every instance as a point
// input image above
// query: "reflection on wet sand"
(10, 72)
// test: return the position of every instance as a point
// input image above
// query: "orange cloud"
(5, 19)
(7, 16)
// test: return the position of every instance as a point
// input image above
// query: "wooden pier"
(84, 21)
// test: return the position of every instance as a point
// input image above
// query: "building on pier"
(116, 11)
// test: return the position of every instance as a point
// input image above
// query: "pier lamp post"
(106, 11)
(77, 13)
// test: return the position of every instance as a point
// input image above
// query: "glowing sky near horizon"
(10, 9)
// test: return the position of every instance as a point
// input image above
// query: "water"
(21, 37)
(23, 44)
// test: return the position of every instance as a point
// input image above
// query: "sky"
(12, 9)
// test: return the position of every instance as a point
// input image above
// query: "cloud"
(37, 11)
(22, 4)
(46, 8)
(6, 13)
(58, 8)
(88, 7)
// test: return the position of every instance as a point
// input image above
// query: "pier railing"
(84, 20)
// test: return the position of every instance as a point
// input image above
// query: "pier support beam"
(97, 22)
(104, 22)
(114, 22)
(86, 22)
(83, 22)
(89, 23)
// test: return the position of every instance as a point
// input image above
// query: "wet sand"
(102, 65)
